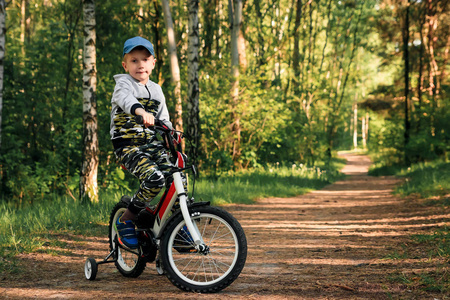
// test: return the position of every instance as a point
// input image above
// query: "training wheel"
(90, 268)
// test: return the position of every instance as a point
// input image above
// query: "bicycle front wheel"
(209, 271)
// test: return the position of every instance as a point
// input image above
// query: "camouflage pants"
(150, 166)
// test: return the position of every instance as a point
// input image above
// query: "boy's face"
(139, 63)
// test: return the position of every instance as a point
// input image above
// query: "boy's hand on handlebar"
(148, 118)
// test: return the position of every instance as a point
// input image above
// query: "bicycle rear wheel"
(210, 271)
(129, 263)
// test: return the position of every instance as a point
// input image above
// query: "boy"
(134, 94)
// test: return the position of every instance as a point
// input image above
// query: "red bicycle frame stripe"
(169, 196)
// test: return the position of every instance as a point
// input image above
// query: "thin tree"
(71, 19)
(193, 119)
(235, 14)
(422, 20)
(365, 129)
(209, 27)
(23, 23)
(355, 122)
(405, 36)
(2, 57)
(88, 176)
(296, 54)
(174, 67)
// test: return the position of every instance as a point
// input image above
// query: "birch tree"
(174, 67)
(193, 119)
(88, 176)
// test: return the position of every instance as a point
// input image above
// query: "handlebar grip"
(139, 119)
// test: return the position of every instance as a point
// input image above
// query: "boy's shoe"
(126, 233)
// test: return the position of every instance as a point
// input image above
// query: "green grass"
(428, 179)
(434, 281)
(33, 228)
(28, 229)
(247, 186)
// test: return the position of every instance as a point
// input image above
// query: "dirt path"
(328, 244)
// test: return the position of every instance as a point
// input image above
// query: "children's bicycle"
(199, 247)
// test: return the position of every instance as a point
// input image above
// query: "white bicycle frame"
(164, 213)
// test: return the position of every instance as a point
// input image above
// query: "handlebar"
(159, 125)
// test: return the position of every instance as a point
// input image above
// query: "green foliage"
(385, 133)
(432, 137)
(38, 99)
(118, 180)
(41, 124)
(288, 113)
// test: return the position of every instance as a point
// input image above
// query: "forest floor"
(342, 242)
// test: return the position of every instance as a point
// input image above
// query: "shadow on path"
(327, 244)
(333, 243)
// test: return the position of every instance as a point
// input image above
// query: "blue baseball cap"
(132, 43)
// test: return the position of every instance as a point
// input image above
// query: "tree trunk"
(235, 8)
(193, 120)
(209, 26)
(420, 75)
(218, 41)
(406, 78)
(433, 90)
(174, 68)
(365, 131)
(241, 44)
(88, 176)
(155, 29)
(433, 67)
(2, 57)
(261, 40)
(355, 123)
(72, 26)
(23, 13)
(296, 54)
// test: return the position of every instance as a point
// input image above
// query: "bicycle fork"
(192, 227)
